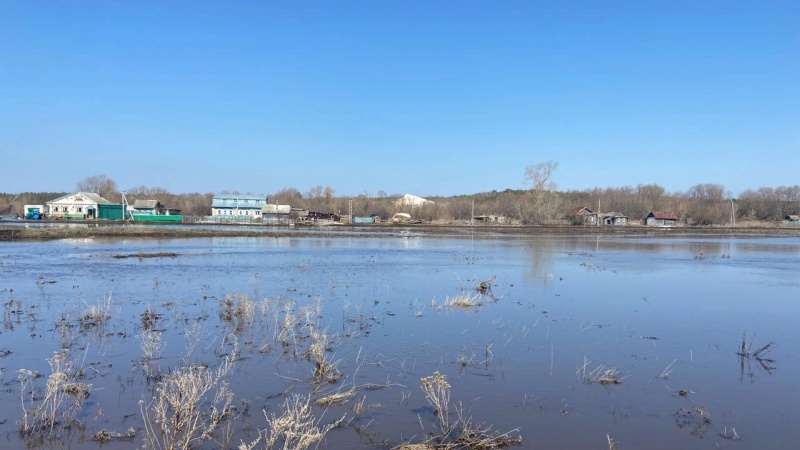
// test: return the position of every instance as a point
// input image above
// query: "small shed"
(614, 219)
(275, 214)
(792, 219)
(661, 219)
(491, 218)
(110, 211)
(152, 207)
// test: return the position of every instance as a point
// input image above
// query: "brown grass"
(295, 427)
(52, 411)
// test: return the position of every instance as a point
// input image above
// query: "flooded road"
(578, 340)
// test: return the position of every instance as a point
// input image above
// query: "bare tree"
(362, 205)
(320, 198)
(707, 203)
(99, 184)
(545, 201)
(288, 196)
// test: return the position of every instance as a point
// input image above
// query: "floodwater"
(667, 313)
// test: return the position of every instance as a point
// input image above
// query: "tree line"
(540, 204)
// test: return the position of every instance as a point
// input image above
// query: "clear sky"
(425, 97)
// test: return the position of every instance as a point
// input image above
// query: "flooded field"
(563, 342)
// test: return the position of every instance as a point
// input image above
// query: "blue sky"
(425, 97)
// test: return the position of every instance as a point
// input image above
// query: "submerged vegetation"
(306, 352)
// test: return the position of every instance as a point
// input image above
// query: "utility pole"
(733, 216)
(598, 213)
(472, 214)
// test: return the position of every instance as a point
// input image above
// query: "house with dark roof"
(581, 215)
(613, 218)
(792, 219)
(661, 219)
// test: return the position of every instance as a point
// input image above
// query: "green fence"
(150, 218)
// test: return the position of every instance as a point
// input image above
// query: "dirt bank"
(81, 231)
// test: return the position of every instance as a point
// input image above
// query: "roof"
(238, 201)
(792, 217)
(579, 209)
(663, 215)
(89, 195)
(614, 214)
(145, 204)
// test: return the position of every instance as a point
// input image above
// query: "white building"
(77, 205)
(237, 205)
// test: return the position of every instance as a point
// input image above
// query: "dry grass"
(237, 310)
(464, 301)
(152, 346)
(324, 368)
(104, 435)
(99, 313)
(189, 404)
(296, 428)
(599, 374)
(462, 433)
(338, 398)
(53, 410)
(485, 287)
(437, 392)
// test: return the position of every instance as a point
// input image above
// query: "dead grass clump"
(105, 435)
(296, 427)
(465, 301)
(189, 404)
(149, 319)
(97, 314)
(599, 374)
(51, 410)
(338, 398)
(78, 390)
(324, 368)
(485, 287)
(152, 346)
(462, 433)
(437, 392)
(360, 407)
(237, 310)
(285, 325)
(696, 418)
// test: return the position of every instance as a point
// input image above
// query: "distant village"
(236, 208)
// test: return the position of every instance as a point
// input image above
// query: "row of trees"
(542, 203)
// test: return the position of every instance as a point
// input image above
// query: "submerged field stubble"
(279, 348)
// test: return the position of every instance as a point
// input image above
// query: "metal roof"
(663, 215)
(145, 204)
(89, 195)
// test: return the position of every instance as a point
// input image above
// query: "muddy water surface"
(666, 313)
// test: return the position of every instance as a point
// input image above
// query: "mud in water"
(564, 341)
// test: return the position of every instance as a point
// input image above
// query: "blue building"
(232, 205)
